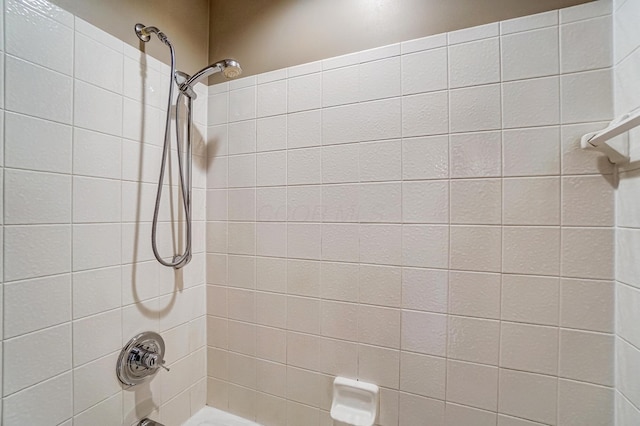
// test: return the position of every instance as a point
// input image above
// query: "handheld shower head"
(230, 68)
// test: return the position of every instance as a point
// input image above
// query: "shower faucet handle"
(141, 358)
(146, 358)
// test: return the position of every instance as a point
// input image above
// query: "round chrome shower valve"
(141, 358)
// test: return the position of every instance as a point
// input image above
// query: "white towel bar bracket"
(598, 140)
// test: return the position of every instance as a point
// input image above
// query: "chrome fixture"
(149, 422)
(140, 358)
(231, 69)
(228, 67)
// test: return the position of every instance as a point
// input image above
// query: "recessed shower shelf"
(598, 140)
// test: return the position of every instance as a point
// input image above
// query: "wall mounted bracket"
(598, 140)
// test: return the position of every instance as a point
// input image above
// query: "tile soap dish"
(354, 402)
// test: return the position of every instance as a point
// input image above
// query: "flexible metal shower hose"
(179, 260)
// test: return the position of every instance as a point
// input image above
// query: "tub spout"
(147, 422)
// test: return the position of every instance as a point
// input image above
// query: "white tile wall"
(626, 39)
(423, 220)
(64, 209)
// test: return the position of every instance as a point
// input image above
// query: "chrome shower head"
(230, 68)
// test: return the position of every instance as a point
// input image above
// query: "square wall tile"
(304, 92)
(53, 48)
(304, 204)
(476, 248)
(379, 79)
(424, 289)
(583, 403)
(425, 114)
(531, 152)
(530, 103)
(340, 163)
(381, 244)
(48, 296)
(531, 201)
(340, 282)
(583, 195)
(303, 278)
(577, 243)
(48, 401)
(587, 96)
(587, 45)
(529, 348)
(379, 326)
(471, 384)
(242, 171)
(340, 86)
(425, 202)
(339, 320)
(530, 54)
(88, 52)
(425, 158)
(474, 294)
(531, 250)
(340, 242)
(585, 11)
(36, 198)
(44, 93)
(97, 109)
(414, 80)
(474, 63)
(425, 246)
(530, 299)
(587, 356)
(33, 251)
(271, 98)
(242, 137)
(414, 409)
(474, 340)
(587, 305)
(474, 33)
(242, 104)
(475, 108)
(304, 241)
(463, 414)
(271, 168)
(304, 129)
(424, 43)
(527, 395)
(271, 239)
(303, 166)
(380, 161)
(475, 155)
(271, 133)
(40, 366)
(22, 137)
(339, 124)
(424, 332)
(340, 203)
(380, 285)
(476, 201)
(423, 375)
(381, 202)
(379, 120)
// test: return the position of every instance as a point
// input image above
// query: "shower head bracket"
(141, 33)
